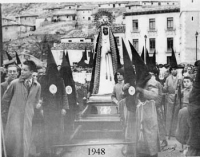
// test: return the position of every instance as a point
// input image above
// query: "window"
(69, 40)
(129, 7)
(117, 40)
(135, 25)
(170, 23)
(89, 18)
(152, 24)
(151, 3)
(192, 18)
(69, 7)
(113, 5)
(81, 40)
(169, 44)
(83, 17)
(119, 4)
(159, 3)
(136, 44)
(152, 44)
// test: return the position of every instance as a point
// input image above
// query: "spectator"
(188, 127)
(170, 87)
(187, 84)
(20, 104)
(12, 74)
(117, 94)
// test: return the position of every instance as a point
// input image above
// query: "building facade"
(190, 25)
(65, 15)
(115, 4)
(160, 25)
(27, 19)
(85, 14)
(15, 31)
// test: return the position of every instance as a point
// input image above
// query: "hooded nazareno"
(54, 100)
(66, 75)
(129, 77)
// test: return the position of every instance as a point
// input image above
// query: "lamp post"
(145, 37)
(196, 34)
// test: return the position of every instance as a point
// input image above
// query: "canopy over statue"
(107, 61)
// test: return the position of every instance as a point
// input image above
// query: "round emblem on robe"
(131, 90)
(68, 89)
(53, 89)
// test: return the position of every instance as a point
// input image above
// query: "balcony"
(170, 31)
(152, 32)
(135, 31)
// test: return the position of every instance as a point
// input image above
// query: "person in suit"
(18, 104)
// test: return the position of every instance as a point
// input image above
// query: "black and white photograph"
(83, 78)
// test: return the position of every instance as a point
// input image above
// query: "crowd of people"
(37, 111)
(166, 107)
(175, 97)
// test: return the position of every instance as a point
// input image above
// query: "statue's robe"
(107, 61)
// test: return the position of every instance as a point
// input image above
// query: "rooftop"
(73, 46)
(153, 10)
(115, 2)
(16, 24)
(28, 15)
(8, 18)
(52, 8)
(77, 34)
(65, 12)
(85, 8)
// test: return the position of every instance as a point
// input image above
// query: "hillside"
(31, 41)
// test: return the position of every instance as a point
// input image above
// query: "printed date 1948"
(99, 151)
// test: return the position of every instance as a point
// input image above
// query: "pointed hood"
(91, 60)
(142, 74)
(66, 75)
(151, 64)
(85, 54)
(65, 70)
(8, 56)
(129, 73)
(142, 55)
(51, 65)
(153, 60)
(17, 58)
(82, 61)
(129, 77)
(148, 58)
(173, 62)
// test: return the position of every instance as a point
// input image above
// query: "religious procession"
(126, 100)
